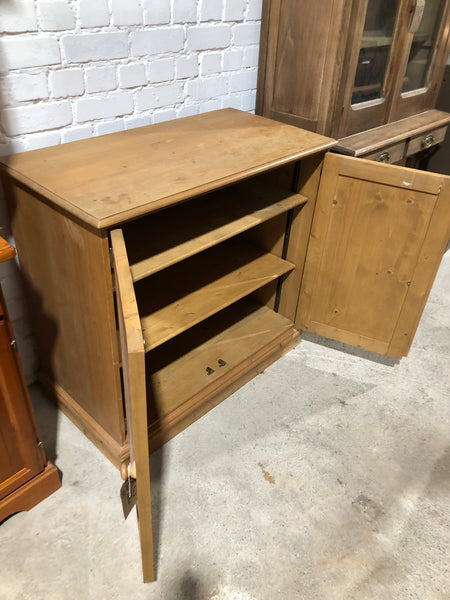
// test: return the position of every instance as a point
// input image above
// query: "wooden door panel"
(133, 369)
(365, 253)
(297, 80)
(405, 104)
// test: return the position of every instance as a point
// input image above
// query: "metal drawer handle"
(383, 157)
(428, 141)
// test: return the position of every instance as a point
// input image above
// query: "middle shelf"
(187, 293)
(181, 231)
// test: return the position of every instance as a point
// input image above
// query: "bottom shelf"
(191, 374)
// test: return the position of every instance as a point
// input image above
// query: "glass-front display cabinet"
(341, 67)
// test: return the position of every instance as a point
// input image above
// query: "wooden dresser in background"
(366, 72)
(26, 477)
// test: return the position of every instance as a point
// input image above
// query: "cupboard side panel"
(67, 276)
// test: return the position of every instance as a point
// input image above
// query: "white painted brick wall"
(157, 41)
(162, 69)
(56, 16)
(94, 13)
(100, 79)
(36, 117)
(17, 17)
(208, 37)
(73, 69)
(67, 83)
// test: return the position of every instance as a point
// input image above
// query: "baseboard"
(31, 493)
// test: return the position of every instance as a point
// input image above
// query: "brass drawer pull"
(383, 157)
(428, 141)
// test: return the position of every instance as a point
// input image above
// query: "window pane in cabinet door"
(375, 49)
(422, 46)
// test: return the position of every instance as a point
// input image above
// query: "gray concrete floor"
(326, 477)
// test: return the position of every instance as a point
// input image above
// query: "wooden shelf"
(188, 372)
(189, 228)
(178, 298)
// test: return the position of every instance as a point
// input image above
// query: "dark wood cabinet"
(26, 477)
(340, 67)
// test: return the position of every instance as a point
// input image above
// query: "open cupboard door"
(378, 235)
(133, 368)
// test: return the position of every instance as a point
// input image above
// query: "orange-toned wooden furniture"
(26, 477)
(169, 264)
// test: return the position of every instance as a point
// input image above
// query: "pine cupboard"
(342, 67)
(169, 264)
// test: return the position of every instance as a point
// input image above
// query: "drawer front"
(426, 140)
(390, 154)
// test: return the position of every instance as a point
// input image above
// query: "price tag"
(128, 495)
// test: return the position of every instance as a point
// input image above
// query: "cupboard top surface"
(112, 178)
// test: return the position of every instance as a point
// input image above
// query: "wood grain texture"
(430, 256)
(197, 370)
(67, 277)
(133, 361)
(375, 139)
(32, 492)
(370, 224)
(26, 477)
(299, 80)
(417, 101)
(90, 179)
(187, 293)
(394, 152)
(309, 54)
(426, 140)
(115, 451)
(7, 251)
(194, 226)
(21, 459)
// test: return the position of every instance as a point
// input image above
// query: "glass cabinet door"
(375, 49)
(423, 43)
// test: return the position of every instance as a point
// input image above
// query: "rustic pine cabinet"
(342, 67)
(26, 477)
(167, 265)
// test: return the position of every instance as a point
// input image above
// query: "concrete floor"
(326, 477)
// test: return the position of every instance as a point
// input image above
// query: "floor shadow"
(190, 588)
(348, 349)
(47, 419)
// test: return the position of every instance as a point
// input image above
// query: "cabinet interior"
(208, 278)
